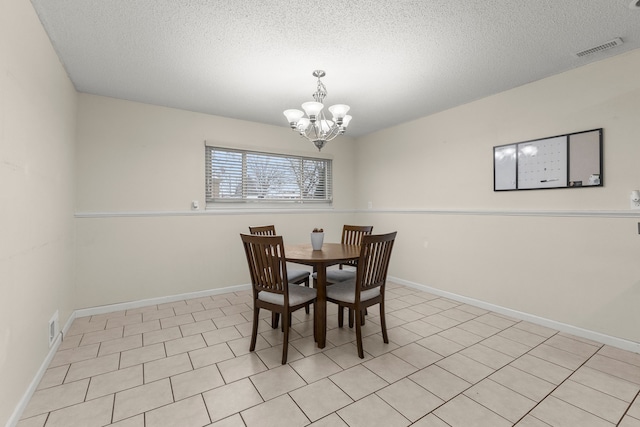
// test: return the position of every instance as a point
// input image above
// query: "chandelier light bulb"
(315, 127)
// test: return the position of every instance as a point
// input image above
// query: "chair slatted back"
(374, 260)
(263, 230)
(352, 235)
(267, 263)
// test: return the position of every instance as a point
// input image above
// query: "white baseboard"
(562, 327)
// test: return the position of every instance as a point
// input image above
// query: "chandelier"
(315, 126)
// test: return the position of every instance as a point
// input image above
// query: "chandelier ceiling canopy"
(315, 126)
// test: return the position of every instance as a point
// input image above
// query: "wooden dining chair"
(299, 277)
(368, 287)
(271, 290)
(351, 235)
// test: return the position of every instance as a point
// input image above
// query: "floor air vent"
(608, 45)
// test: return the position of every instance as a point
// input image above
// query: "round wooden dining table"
(330, 254)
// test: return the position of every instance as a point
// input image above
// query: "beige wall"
(434, 177)
(140, 166)
(37, 131)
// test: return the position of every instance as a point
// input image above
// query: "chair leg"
(275, 319)
(306, 283)
(286, 320)
(254, 330)
(383, 323)
(359, 336)
(350, 317)
(340, 316)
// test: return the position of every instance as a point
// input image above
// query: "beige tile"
(197, 328)
(421, 328)
(339, 336)
(100, 336)
(142, 310)
(634, 410)
(523, 337)
(320, 399)
(124, 320)
(559, 413)
(246, 329)
(358, 382)
(627, 421)
(372, 411)
(221, 335)
(241, 367)
(183, 319)
(478, 328)
(65, 357)
(572, 346)
(279, 412)
(171, 305)
(346, 355)
(227, 400)
(82, 326)
(307, 346)
(158, 314)
(487, 356)
(440, 345)
(272, 356)
(166, 367)
(621, 355)
(613, 386)
(390, 367)
(162, 335)
(402, 336)
(93, 413)
(407, 314)
(501, 400)
(53, 377)
(557, 356)
(70, 341)
(188, 309)
(57, 397)
(496, 321)
(460, 336)
(106, 316)
(440, 382)
(541, 368)
(331, 420)
(141, 399)
(140, 328)
(430, 421)
(443, 303)
(417, 355)
(277, 381)
(615, 367)
(184, 345)
(213, 313)
(216, 303)
(408, 398)
(375, 346)
(235, 309)
(241, 346)
(543, 331)
(425, 309)
(458, 315)
(234, 319)
(522, 382)
(210, 355)
(37, 421)
(232, 421)
(188, 412)
(531, 421)
(465, 368)
(115, 381)
(462, 412)
(120, 344)
(590, 400)
(196, 381)
(315, 367)
(506, 346)
(91, 367)
(141, 355)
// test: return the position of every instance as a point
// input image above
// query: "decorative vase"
(316, 241)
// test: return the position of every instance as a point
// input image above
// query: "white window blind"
(250, 176)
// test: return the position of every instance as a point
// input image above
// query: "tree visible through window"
(249, 176)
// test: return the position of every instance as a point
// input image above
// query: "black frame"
(510, 171)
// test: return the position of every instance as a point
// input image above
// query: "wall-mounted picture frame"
(572, 160)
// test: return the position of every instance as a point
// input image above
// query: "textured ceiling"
(392, 61)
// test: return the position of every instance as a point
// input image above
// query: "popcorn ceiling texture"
(392, 61)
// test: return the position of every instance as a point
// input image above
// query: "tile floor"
(448, 364)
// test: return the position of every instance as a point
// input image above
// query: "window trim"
(244, 201)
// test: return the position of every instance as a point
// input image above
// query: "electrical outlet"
(634, 199)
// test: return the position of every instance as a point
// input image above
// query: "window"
(250, 176)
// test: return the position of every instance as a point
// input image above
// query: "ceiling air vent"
(608, 45)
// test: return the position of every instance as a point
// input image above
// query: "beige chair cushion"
(346, 292)
(297, 295)
(296, 275)
(335, 276)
